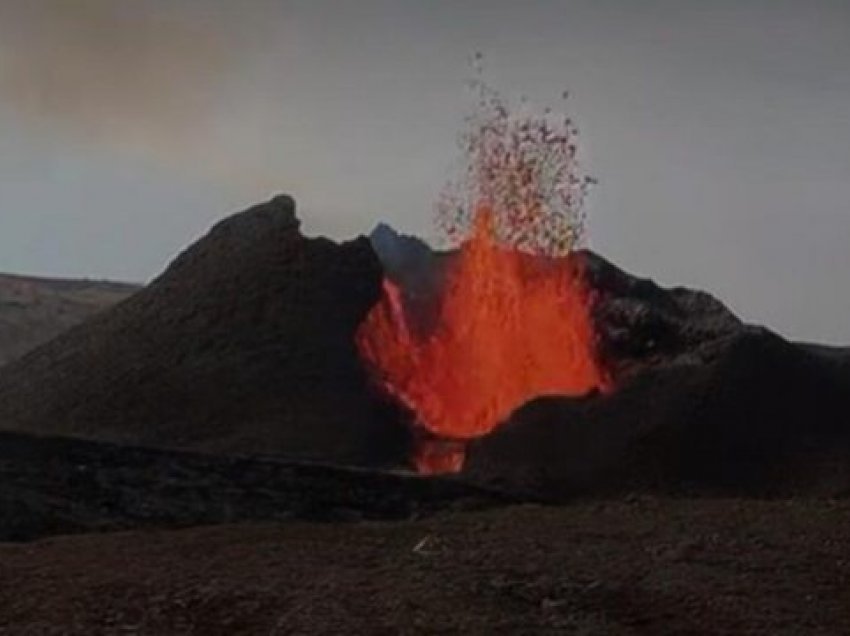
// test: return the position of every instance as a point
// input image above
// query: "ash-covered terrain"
(229, 390)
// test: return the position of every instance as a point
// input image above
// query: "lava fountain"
(512, 319)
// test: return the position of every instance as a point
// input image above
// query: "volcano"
(247, 344)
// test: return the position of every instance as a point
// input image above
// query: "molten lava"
(511, 321)
(510, 326)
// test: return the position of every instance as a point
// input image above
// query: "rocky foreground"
(607, 568)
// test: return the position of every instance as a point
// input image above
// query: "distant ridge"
(34, 309)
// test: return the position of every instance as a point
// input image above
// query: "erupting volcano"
(511, 320)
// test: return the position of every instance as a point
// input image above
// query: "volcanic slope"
(703, 404)
(243, 345)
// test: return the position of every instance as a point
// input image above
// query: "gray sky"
(719, 131)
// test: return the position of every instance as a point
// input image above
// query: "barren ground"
(633, 566)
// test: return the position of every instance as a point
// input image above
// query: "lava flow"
(510, 327)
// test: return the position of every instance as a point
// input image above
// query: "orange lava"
(511, 326)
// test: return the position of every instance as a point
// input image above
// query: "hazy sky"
(719, 131)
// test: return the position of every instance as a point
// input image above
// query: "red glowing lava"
(510, 327)
(512, 319)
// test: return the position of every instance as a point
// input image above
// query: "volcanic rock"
(641, 324)
(244, 345)
(52, 486)
(756, 416)
(408, 260)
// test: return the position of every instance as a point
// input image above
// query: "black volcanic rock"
(54, 486)
(641, 324)
(409, 261)
(245, 344)
(758, 416)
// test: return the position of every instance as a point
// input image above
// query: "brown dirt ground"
(634, 566)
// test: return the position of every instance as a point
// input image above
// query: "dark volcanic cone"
(756, 415)
(245, 344)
